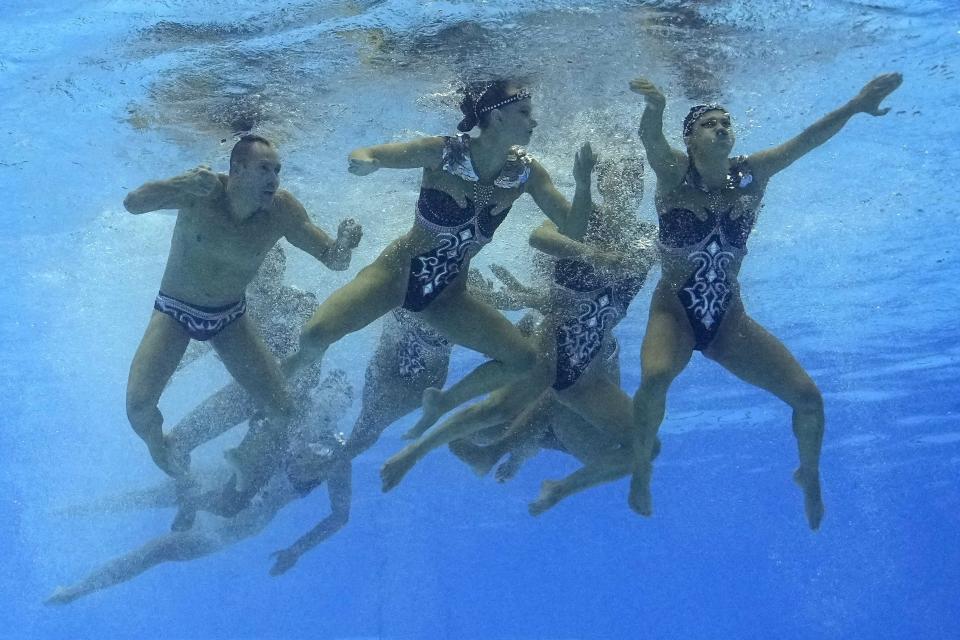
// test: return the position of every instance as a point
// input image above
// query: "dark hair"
(480, 98)
(241, 150)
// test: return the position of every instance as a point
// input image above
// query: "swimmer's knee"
(140, 404)
(807, 399)
(656, 380)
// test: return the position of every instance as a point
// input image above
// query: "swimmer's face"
(713, 129)
(258, 178)
(516, 122)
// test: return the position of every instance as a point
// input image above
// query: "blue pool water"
(854, 265)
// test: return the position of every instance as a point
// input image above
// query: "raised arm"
(174, 193)
(422, 152)
(303, 234)
(766, 163)
(339, 486)
(572, 220)
(669, 164)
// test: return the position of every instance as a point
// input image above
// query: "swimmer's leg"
(153, 365)
(752, 354)
(173, 547)
(477, 326)
(216, 415)
(249, 361)
(387, 396)
(667, 348)
(607, 468)
(601, 403)
(520, 439)
(501, 406)
(376, 289)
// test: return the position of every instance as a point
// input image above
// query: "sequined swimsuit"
(459, 232)
(416, 343)
(597, 304)
(709, 247)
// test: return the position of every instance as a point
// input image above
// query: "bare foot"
(640, 499)
(432, 411)
(396, 467)
(509, 469)
(548, 498)
(809, 482)
(61, 595)
(480, 459)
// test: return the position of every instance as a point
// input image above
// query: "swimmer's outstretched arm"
(300, 231)
(669, 164)
(177, 192)
(766, 163)
(424, 153)
(339, 487)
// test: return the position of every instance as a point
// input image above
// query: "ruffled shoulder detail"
(458, 162)
(456, 158)
(516, 171)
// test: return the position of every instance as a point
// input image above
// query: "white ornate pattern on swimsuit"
(596, 313)
(415, 343)
(197, 320)
(710, 292)
(442, 265)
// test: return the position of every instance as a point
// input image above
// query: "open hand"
(475, 280)
(285, 559)
(875, 91)
(584, 163)
(649, 91)
(349, 233)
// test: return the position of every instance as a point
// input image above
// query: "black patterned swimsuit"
(597, 304)
(709, 246)
(460, 232)
(416, 343)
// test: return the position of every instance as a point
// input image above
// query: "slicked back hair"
(243, 149)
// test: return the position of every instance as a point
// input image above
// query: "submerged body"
(707, 203)
(468, 186)
(225, 226)
(594, 280)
